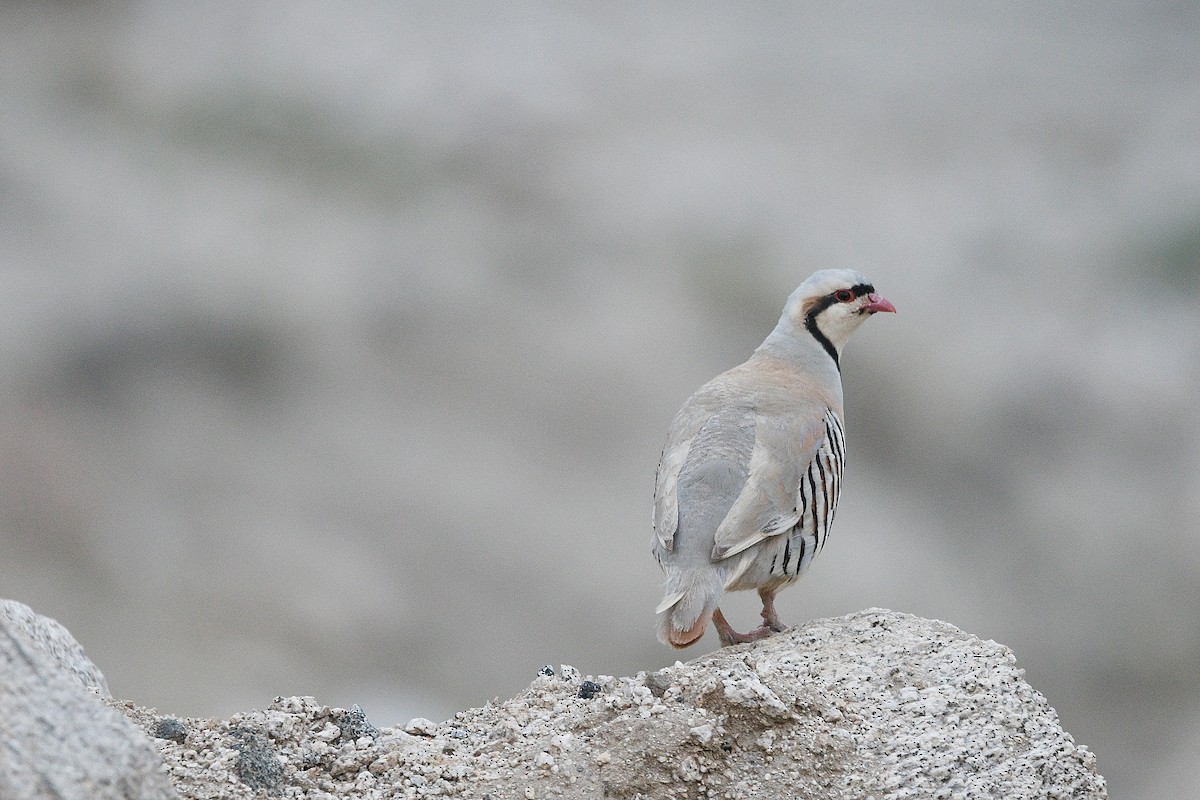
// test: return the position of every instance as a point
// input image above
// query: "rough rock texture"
(55, 640)
(877, 704)
(58, 739)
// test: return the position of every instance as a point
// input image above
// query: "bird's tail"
(689, 599)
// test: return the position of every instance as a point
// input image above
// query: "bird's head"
(830, 306)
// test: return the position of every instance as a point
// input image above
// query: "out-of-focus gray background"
(338, 344)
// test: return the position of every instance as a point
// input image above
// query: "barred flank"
(816, 501)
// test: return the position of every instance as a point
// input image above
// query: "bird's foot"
(732, 637)
(770, 616)
(771, 622)
(729, 636)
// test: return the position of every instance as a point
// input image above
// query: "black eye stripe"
(810, 319)
(859, 289)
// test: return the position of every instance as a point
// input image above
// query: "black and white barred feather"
(816, 502)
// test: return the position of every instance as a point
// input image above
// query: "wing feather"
(769, 503)
(666, 495)
(687, 425)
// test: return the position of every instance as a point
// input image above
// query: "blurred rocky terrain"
(337, 348)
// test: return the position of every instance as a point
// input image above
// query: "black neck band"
(810, 319)
(810, 323)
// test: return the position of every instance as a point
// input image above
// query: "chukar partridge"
(750, 475)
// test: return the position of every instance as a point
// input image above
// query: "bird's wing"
(666, 497)
(684, 428)
(772, 501)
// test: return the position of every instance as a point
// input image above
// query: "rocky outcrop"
(877, 704)
(58, 739)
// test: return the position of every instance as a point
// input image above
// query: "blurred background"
(338, 345)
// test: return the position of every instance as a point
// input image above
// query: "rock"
(658, 682)
(58, 738)
(874, 704)
(354, 725)
(171, 728)
(589, 689)
(258, 764)
(55, 640)
(421, 727)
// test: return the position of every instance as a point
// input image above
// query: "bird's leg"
(769, 614)
(729, 636)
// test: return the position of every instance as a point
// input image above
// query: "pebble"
(328, 732)
(419, 726)
(171, 729)
(589, 689)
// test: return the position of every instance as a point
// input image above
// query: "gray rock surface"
(877, 704)
(52, 638)
(58, 738)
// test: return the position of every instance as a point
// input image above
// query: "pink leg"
(769, 614)
(729, 636)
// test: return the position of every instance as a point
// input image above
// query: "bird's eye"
(844, 295)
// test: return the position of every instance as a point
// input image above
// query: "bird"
(751, 472)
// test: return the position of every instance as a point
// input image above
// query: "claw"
(730, 637)
(769, 615)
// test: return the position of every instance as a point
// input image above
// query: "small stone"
(258, 764)
(420, 727)
(354, 725)
(171, 729)
(588, 690)
(328, 733)
(546, 670)
(658, 683)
